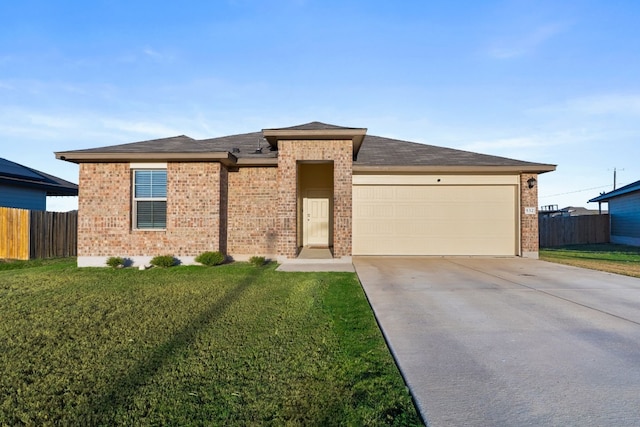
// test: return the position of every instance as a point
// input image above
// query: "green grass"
(230, 345)
(620, 259)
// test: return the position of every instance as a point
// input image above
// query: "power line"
(577, 191)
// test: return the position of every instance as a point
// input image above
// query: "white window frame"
(135, 200)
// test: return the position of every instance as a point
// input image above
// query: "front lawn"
(229, 345)
(612, 258)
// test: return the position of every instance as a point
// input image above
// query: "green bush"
(115, 262)
(163, 261)
(211, 258)
(258, 261)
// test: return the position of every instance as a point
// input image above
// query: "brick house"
(276, 191)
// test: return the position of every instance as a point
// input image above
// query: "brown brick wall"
(289, 154)
(104, 212)
(104, 205)
(193, 208)
(253, 211)
(529, 224)
(224, 211)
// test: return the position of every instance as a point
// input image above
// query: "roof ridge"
(315, 125)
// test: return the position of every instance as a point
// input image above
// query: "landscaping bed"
(229, 345)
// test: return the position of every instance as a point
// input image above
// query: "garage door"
(434, 220)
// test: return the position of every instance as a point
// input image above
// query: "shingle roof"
(246, 145)
(630, 188)
(379, 151)
(16, 174)
(375, 151)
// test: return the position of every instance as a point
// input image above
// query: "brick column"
(529, 238)
(287, 200)
(340, 152)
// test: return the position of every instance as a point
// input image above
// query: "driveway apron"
(510, 341)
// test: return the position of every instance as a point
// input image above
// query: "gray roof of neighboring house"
(630, 188)
(375, 151)
(12, 173)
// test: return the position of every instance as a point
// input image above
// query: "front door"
(315, 217)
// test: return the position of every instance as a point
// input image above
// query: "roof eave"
(50, 188)
(613, 194)
(79, 157)
(535, 168)
(599, 199)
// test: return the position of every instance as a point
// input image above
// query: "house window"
(150, 199)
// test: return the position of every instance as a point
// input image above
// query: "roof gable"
(314, 126)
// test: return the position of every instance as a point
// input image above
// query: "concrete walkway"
(316, 259)
(510, 341)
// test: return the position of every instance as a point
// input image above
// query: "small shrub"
(258, 261)
(115, 262)
(164, 261)
(211, 258)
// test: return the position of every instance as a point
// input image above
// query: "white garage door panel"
(434, 220)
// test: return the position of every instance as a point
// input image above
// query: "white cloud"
(505, 143)
(546, 146)
(49, 121)
(517, 47)
(141, 127)
(605, 104)
(157, 55)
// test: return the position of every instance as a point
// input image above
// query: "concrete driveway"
(510, 341)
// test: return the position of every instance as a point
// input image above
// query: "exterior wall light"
(531, 182)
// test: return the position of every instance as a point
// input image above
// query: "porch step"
(316, 259)
(315, 253)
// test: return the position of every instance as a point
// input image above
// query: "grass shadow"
(125, 387)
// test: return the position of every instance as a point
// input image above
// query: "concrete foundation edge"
(130, 261)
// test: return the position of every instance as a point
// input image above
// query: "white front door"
(316, 220)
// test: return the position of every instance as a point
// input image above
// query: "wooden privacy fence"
(573, 230)
(37, 234)
(14, 233)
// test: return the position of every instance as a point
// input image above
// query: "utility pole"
(614, 177)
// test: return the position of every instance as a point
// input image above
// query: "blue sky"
(545, 81)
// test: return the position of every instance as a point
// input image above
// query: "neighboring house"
(25, 188)
(624, 213)
(553, 211)
(275, 191)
